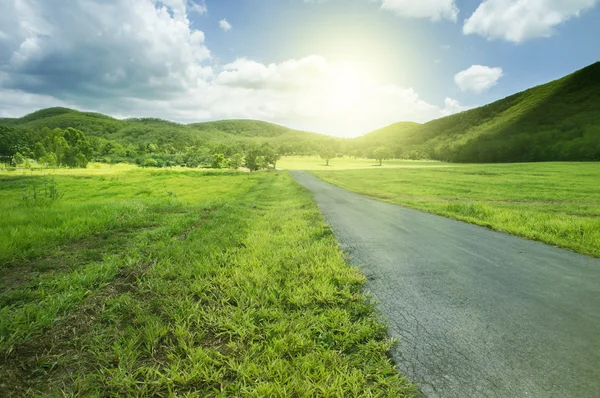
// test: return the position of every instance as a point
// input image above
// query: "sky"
(338, 67)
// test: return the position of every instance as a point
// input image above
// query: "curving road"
(477, 313)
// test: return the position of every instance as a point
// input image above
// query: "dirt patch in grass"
(70, 256)
(40, 363)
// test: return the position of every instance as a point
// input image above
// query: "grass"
(349, 163)
(555, 203)
(182, 283)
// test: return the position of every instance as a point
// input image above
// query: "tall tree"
(381, 154)
(327, 152)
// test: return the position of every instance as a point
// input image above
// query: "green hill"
(156, 131)
(555, 121)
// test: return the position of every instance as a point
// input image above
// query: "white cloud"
(226, 26)
(142, 58)
(286, 76)
(14, 103)
(520, 20)
(97, 47)
(431, 9)
(478, 78)
(453, 106)
(197, 6)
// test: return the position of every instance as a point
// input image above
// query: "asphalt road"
(477, 313)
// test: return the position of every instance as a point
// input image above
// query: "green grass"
(555, 203)
(348, 163)
(232, 285)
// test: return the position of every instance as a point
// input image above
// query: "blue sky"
(342, 67)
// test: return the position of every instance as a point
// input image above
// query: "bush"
(150, 163)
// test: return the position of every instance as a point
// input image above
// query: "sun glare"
(346, 88)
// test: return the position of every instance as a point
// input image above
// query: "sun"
(346, 87)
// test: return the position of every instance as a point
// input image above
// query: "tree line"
(71, 148)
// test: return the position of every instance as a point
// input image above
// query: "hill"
(555, 121)
(145, 131)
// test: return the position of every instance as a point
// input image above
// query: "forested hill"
(556, 121)
(144, 131)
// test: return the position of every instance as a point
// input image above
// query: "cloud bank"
(521, 20)
(144, 58)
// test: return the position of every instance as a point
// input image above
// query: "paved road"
(478, 313)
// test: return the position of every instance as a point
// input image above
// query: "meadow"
(556, 203)
(314, 163)
(132, 282)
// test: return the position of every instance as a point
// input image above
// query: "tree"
(261, 163)
(217, 161)
(252, 153)
(356, 153)
(49, 159)
(39, 151)
(192, 160)
(327, 152)
(235, 161)
(381, 154)
(61, 147)
(150, 163)
(11, 142)
(81, 161)
(271, 155)
(18, 159)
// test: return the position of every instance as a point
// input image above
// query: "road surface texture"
(477, 313)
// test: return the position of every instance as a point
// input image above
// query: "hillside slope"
(555, 121)
(157, 131)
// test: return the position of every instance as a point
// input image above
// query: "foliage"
(271, 155)
(250, 158)
(236, 160)
(49, 160)
(150, 163)
(260, 157)
(56, 147)
(328, 151)
(18, 159)
(218, 161)
(382, 153)
(128, 139)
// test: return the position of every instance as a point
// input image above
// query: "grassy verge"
(555, 203)
(235, 287)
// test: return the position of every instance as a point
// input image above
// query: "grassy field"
(180, 283)
(349, 163)
(556, 203)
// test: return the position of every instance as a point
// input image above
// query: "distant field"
(348, 163)
(161, 283)
(556, 203)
